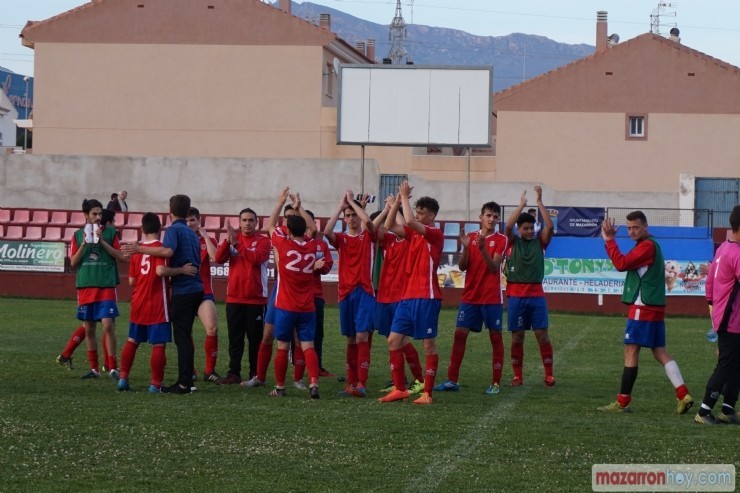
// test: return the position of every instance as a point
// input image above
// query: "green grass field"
(60, 433)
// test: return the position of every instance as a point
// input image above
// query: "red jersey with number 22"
(295, 268)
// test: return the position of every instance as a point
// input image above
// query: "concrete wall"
(226, 185)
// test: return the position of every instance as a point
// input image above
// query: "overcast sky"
(710, 26)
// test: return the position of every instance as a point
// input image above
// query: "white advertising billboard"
(414, 105)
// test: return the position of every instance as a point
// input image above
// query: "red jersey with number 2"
(295, 268)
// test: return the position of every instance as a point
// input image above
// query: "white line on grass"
(447, 461)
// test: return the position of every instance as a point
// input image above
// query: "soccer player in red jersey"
(644, 291)
(149, 319)
(207, 308)
(391, 285)
(95, 252)
(417, 314)
(107, 219)
(481, 300)
(247, 252)
(294, 304)
(356, 296)
(525, 271)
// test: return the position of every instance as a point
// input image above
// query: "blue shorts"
(472, 317)
(356, 313)
(97, 311)
(304, 324)
(527, 313)
(644, 333)
(270, 312)
(384, 317)
(417, 318)
(209, 297)
(153, 334)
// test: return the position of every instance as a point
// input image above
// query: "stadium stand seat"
(452, 229)
(69, 233)
(4, 216)
(471, 227)
(133, 220)
(40, 218)
(33, 233)
(77, 218)
(450, 245)
(212, 223)
(14, 232)
(129, 235)
(2, 231)
(59, 218)
(21, 216)
(53, 233)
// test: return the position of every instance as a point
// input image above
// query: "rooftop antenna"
(397, 34)
(664, 9)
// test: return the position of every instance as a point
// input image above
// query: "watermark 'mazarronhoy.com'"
(663, 477)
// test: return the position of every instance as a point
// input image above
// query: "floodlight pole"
(25, 130)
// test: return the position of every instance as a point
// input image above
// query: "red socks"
(92, 357)
(363, 362)
(210, 346)
(299, 362)
(281, 367)
(351, 364)
(312, 364)
(458, 353)
(74, 342)
(546, 353)
(263, 361)
(624, 399)
(497, 360)
(517, 357)
(681, 391)
(412, 358)
(398, 373)
(430, 374)
(127, 358)
(158, 362)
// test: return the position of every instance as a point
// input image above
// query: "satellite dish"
(614, 39)
(337, 65)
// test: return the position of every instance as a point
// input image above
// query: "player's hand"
(608, 231)
(364, 199)
(189, 269)
(231, 233)
(481, 241)
(538, 191)
(283, 197)
(464, 239)
(390, 200)
(129, 249)
(319, 264)
(404, 189)
(202, 232)
(523, 199)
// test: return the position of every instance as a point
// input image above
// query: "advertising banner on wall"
(577, 221)
(42, 256)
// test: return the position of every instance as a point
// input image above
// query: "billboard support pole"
(467, 191)
(362, 170)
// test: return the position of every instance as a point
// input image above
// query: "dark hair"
(287, 208)
(150, 223)
(114, 196)
(296, 225)
(193, 212)
(524, 218)
(357, 202)
(90, 204)
(107, 217)
(428, 203)
(375, 214)
(310, 214)
(247, 210)
(635, 215)
(179, 206)
(532, 211)
(490, 206)
(735, 219)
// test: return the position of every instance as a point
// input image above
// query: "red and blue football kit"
(149, 296)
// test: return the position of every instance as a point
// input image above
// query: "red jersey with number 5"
(149, 297)
(294, 289)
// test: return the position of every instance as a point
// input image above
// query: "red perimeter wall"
(62, 286)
